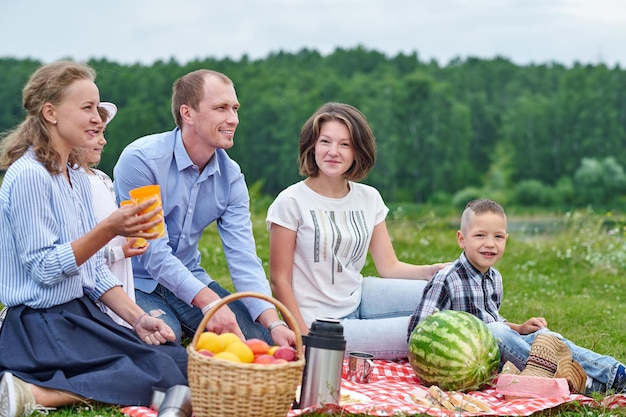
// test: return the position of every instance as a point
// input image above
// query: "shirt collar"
(183, 161)
(472, 271)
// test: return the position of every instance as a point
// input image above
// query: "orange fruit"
(243, 351)
(263, 358)
(258, 346)
(210, 341)
(228, 338)
(227, 356)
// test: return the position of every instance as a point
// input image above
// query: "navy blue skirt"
(76, 347)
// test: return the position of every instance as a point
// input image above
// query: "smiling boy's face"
(484, 240)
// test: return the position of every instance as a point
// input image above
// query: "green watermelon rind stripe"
(437, 356)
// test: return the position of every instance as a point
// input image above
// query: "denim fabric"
(182, 317)
(600, 369)
(378, 326)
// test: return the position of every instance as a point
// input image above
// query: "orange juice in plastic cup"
(141, 194)
(140, 242)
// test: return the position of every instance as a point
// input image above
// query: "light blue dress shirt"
(192, 200)
(41, 214)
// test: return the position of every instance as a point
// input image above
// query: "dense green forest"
(542, 135)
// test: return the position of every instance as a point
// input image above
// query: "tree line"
(538, 135)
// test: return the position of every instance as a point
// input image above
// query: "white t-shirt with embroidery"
(332, 242)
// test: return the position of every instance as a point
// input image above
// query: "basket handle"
(291, 321)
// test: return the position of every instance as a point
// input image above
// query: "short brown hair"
(478, 207)
(189, 90)
(363, 140)
(46, 85)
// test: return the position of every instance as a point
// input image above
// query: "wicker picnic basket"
(221, 388)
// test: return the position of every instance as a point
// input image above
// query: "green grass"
(572, 275)
(566, 267)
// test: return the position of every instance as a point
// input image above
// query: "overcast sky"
(131, 31)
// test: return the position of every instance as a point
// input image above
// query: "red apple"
(285, 352)
(278, 360)
(206, 352)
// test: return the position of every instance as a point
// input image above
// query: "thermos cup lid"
(325, 333)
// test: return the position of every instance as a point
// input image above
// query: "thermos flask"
(324, 353)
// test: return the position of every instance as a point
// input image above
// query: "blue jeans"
(600, 369)
(183, 318)
(378, 326)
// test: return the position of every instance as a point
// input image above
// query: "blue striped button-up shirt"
(41, 214)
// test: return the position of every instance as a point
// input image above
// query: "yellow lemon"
(242, 350)
(210, 341)
(227, 356)
(228, 338)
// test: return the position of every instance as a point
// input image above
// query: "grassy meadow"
(566, 267)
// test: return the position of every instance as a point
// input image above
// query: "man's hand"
(283, 336)
(224, 321)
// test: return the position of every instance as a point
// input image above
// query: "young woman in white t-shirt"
(321, 230)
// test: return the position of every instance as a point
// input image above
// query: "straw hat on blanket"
(551, 358)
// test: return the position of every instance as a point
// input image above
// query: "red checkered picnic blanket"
(389, 392)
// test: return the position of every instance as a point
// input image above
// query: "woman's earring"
(54, 122)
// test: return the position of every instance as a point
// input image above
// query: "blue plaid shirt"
(462, 287)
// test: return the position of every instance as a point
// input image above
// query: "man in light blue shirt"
(200, 185)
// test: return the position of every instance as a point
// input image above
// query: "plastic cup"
(141, 194)
(140, 242)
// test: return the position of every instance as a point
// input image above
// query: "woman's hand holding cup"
(132, 220)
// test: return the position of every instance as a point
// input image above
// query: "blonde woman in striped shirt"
(58, 347)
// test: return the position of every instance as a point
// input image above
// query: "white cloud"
(147, 30)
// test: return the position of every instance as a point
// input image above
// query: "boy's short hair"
(478, 207)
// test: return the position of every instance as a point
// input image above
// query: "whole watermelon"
(454, 350)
